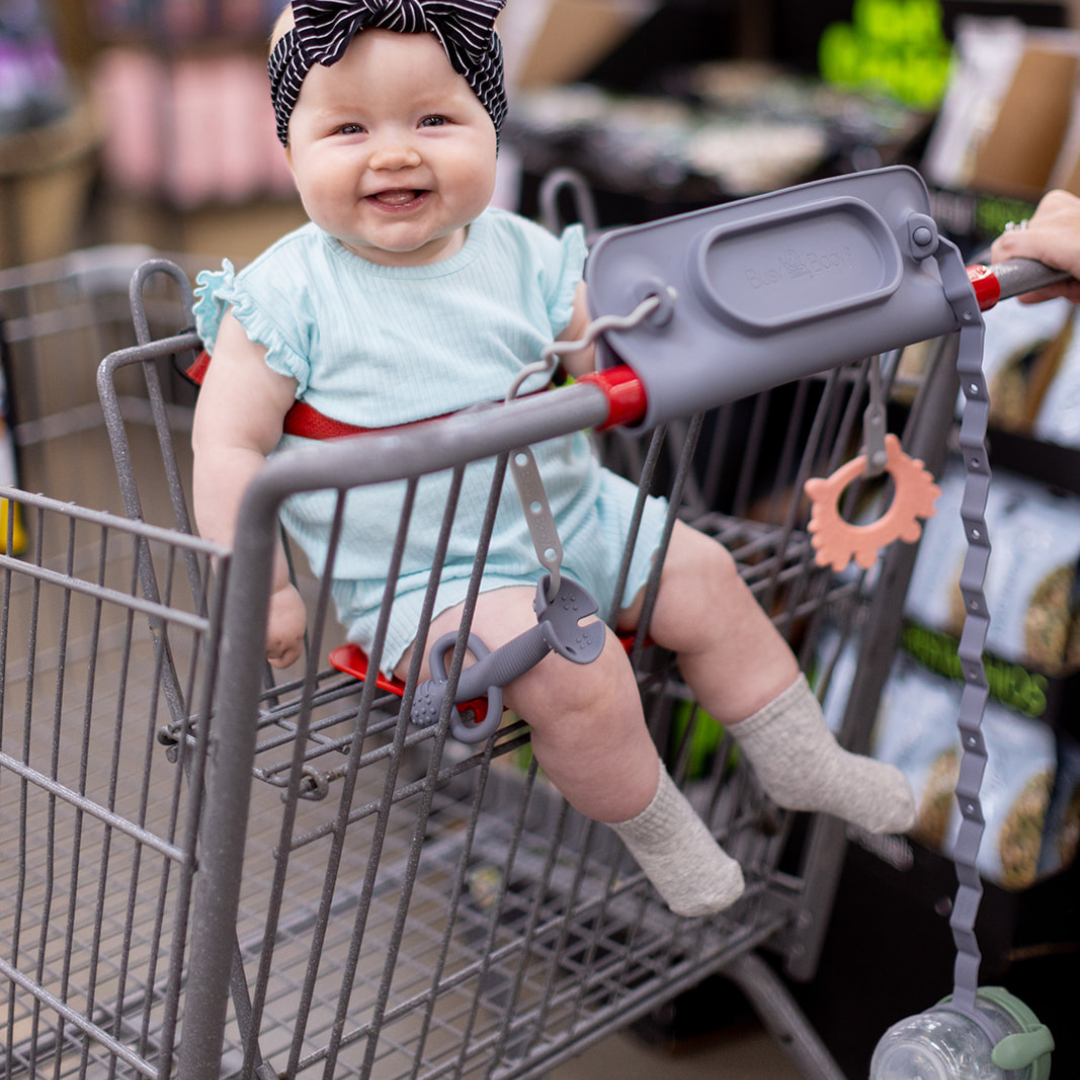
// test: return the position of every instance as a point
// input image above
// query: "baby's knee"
(558, 687)
(718, 562)
(704, 568)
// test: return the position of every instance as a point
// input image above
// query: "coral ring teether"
(837, 542)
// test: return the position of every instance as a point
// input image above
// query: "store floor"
(745, 1053)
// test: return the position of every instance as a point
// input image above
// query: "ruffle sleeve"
(213, 289)
(216, 291)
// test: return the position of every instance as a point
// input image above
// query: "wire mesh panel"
(98, 820)
(57, 320)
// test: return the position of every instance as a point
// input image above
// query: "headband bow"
(324, 28)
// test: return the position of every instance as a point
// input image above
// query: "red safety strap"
(351, 660)
(309, 423)
(623, 389)
(301, 419)
(197, 372)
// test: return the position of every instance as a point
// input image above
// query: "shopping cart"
(57, 320)
(217, 875)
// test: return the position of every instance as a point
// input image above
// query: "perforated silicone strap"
(538, 515)
(973, 699)
(530, 485)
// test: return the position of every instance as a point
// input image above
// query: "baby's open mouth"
(398, 196)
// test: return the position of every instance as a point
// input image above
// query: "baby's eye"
(350, 129)
(433, 121)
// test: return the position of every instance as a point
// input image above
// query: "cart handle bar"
(1003, 280)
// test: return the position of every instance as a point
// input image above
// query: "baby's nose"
(395, 153)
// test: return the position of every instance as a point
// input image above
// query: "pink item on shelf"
(186, 18)
(194, 170)
(242, 16)
(195, 130)
(241, 155)
(134, 98)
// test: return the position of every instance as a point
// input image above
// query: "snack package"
(1030, 580)
(1058, 416)
(917, 732)
(1027, 836)
(1015, 797)
(1023, 351)
(931, 597)
(1061, 836)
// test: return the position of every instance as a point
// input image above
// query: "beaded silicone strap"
(973, 426)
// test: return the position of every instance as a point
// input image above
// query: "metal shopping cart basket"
(207, 874)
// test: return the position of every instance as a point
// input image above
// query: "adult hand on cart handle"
(1051, 235)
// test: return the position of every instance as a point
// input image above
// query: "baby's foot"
(802, 767)
(689, 869)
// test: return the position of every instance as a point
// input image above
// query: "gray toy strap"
(1013, 277)
(976, 412)
(530, 486)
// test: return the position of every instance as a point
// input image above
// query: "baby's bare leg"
(744, 675)
(729, 652)
(590, 738)
(588, 729)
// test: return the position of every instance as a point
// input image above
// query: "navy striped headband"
(324, 29)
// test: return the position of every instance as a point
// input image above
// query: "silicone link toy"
(558, 628)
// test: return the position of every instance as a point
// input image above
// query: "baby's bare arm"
(238, 421)
(584, 361)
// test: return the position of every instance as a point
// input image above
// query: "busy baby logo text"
(793, 266)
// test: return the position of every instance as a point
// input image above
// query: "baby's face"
(391, 150)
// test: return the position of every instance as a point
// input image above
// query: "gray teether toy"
(557, 629)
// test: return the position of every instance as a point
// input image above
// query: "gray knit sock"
(802, 767)
(690, 870)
